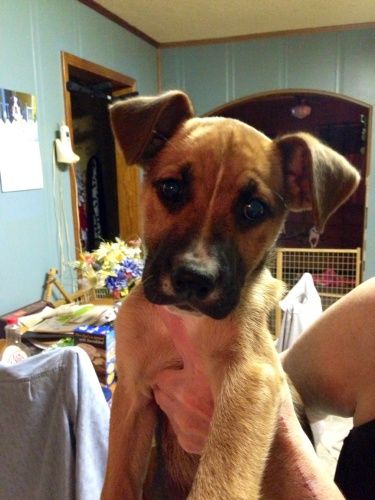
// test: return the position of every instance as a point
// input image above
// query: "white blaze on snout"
(199, 256)
(166, 285)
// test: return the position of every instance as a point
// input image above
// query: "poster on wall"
(20, 160)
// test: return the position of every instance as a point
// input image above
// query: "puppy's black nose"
(189, 283)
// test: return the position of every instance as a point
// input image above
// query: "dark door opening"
(104, 191)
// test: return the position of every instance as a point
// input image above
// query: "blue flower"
(125, 274)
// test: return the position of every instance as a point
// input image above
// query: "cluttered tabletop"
(89, 326)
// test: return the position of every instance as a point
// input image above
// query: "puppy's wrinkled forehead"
(221, 137)
(218, 147)
(228, 180)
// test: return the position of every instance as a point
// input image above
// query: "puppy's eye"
(170, 190)
(255, 210)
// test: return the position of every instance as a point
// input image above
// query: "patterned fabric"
(96, 208)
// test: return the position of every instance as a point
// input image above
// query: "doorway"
(340, 122)
(104, 189)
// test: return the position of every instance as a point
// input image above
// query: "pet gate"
(335, 272)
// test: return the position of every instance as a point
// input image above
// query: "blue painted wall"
(340, 62)
(32, 34)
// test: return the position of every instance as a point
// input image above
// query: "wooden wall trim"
(72, 174)
(305, 92)
(210, 41)
(271, 34)
(96, 69)
(118, 20)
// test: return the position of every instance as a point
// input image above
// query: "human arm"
(184, 395)
(332, 362)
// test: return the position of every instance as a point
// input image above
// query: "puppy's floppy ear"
(142, 125)
(316, 177)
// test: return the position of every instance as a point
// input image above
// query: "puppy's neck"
(192, 320)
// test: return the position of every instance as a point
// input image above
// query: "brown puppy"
(216, 193)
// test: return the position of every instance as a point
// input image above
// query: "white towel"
(302, 306)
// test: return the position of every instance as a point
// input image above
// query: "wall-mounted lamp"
(301, 110)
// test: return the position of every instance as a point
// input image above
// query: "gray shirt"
(53, 428)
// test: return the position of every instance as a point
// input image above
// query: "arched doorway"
(342, 123)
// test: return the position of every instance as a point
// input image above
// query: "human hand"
(293, 469)
(185, 395)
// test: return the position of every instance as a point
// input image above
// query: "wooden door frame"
(122, 84)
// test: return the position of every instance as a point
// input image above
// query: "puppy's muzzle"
(190, 283)
(207, 282)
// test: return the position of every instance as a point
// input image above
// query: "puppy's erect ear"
(316, 177)
(142, 125)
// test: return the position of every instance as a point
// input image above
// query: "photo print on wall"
(20, 160)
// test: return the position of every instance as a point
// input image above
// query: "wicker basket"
(95, 295)
(102, 293)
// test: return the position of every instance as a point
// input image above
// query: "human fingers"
(188, 419)
(169, 380)
(192, 443)
(191, 428)
(192, 391)
(180, 337)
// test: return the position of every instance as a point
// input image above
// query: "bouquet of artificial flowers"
(117, 266)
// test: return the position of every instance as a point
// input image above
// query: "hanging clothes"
(81, 195)
(301, 307)
(96, 206)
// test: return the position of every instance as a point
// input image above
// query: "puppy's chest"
(202, 348)
(148, 347)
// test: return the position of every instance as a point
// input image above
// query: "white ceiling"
(170, 21)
